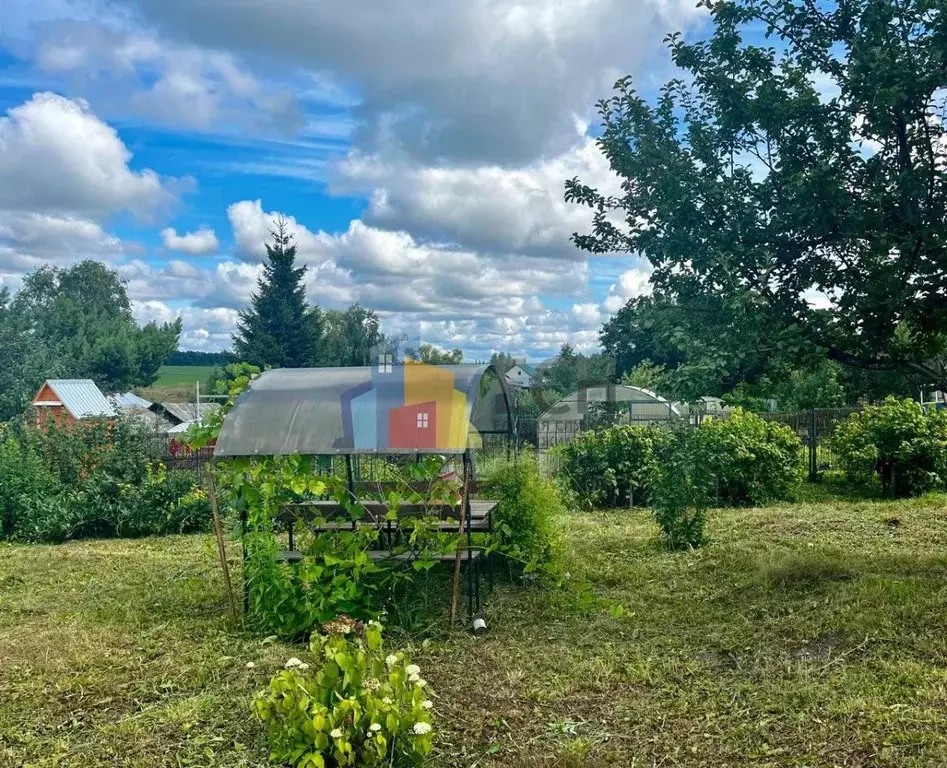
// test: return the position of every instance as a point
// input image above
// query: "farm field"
(176, 383)
(175, 375)
(804, 634)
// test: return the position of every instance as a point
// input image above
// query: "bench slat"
(378, 510)
(295, 556)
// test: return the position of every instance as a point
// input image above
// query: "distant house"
(66, 401)
(175, 414)
(129, 402)
(521, 375)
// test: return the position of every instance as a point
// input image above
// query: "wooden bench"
(332, 517)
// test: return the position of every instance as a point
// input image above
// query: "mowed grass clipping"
(812, 634)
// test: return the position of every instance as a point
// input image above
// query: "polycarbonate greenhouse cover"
(387, 408)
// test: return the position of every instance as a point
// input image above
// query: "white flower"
(251, 665)
(391, 660)
(374, 727)
(336, 733)
(414, 678)
(427, 703)
(295, 663)
(419, 683)
(387, 700)
(413, 669)
(421, 728)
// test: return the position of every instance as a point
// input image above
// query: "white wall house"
(521, 375)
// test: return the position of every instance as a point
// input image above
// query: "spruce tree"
(279, 329)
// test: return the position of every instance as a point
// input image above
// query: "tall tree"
(27, 360)
(350, 337)
(83, 317)
(572, 370)
(428, 353)
(815, 168)
(279, 329)
(502, 361)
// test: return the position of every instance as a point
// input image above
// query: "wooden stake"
(455, 593)
(221, 544)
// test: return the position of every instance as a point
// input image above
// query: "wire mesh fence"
(175, 455)
(813, 428)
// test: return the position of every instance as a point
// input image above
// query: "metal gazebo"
(398, 409)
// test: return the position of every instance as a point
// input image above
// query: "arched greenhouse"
(594, 406)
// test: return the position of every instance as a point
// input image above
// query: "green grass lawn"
(805, 635)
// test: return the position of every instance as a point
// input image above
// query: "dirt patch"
(820, 649)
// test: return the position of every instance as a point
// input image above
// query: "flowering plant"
(353, 705)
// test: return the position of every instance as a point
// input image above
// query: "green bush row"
(91, 480)
(897, 444)
(748, 461)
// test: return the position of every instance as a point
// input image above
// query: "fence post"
(813, 448)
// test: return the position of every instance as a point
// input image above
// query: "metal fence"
(813, 428)
(176, 457)
(535, 436)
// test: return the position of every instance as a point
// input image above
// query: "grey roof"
(386, 409)
(81, 398)
(129, 401)
(643, 403)
(181, 412)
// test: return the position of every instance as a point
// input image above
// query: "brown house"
(66, 401)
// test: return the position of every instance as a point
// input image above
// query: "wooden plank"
(384, 486)
(295, 556)
(444, 526)
(378, 511)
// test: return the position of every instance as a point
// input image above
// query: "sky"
(418, 150)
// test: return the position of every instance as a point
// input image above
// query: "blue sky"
(421, 165)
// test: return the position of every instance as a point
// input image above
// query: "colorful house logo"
(408, 406)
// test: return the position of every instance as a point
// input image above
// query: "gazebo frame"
(271, 417)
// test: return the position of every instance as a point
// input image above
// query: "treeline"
(189, 357)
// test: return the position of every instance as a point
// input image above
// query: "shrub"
(92, 479)
(682, 488)
(604, 468)
(752, 460)
(524, 522)
(23, 479)
(353, 706)
(897, 443)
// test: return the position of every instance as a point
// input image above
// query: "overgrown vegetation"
(525, 522)
(747, 459)
(898, 445)
(91, 479)
(751, 460)
(353, 706)
(683, 488)
(612, 467)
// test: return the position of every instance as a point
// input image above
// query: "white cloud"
(477, 79)
(485, 207)
(202, 241)
(57, 157)
(632, 284)
(178, 84)
(202, 329)
(587, 315)
(30, 240)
